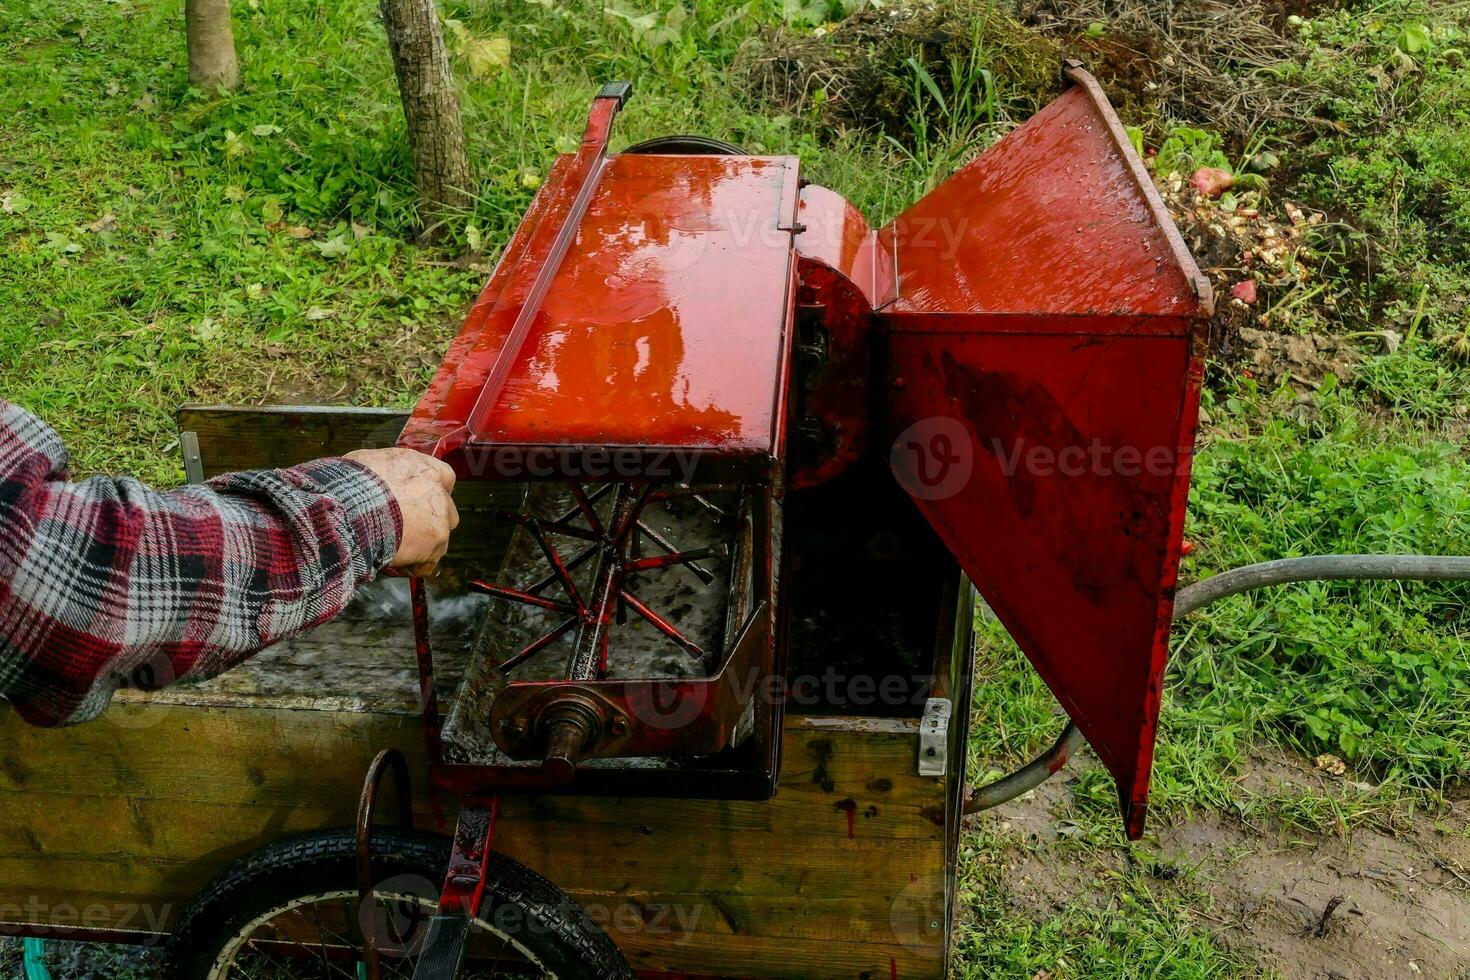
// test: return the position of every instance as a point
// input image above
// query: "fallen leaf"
(295, 231)
(271, 212)
(1245, 291)
(334, 247)
(360, 232)
(265, 129)
(233, 145)
(13, 202)
(314, 313)
(472, 236)
(486, 56)
(58, 241)
(108, 222)
(207, 329)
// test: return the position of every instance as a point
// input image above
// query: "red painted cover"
(1043, 384)
(664, 326)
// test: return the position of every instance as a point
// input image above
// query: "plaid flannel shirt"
(107, 583)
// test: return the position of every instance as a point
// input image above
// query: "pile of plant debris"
(1268, 296)
(1198, 80)
(1232, 63)
(1162, 62)
(859, 73)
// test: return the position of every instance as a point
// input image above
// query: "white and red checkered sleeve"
(107, 582)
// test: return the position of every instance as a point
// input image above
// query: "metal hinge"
(934, 737)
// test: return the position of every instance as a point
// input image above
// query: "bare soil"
(1373, 903)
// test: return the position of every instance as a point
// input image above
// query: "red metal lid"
(662, 332)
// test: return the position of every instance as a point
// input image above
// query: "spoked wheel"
(290, 911)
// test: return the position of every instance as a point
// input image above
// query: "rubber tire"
(686, 146)
(561, 936)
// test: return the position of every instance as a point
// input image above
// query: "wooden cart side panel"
(247, 437)
(111, 826)
(232, 438)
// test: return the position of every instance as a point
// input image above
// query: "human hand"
(421, 485)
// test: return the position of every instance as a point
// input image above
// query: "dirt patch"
(1197, 62)
(1376, 903)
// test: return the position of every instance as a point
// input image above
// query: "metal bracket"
(193, 459)
(934, 737)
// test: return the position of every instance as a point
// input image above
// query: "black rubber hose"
(1316, 568)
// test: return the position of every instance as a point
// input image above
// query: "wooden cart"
(109, 830)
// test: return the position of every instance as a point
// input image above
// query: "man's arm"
(103, 577)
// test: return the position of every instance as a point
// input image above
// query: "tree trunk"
(431, 108)
(212, 61)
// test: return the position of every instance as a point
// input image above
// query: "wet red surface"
(1025, 339)
(665, 326)
(1050, 220)
(1043, 341)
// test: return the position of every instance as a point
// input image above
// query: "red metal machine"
(678, 338)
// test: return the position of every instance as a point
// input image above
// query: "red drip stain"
(849, 806)
(892, 968)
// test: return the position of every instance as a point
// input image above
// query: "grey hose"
(1319, 568)
(1316, 568)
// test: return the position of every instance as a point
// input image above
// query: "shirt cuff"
(371, 510)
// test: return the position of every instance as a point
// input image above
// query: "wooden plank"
(230, 438)
(249, 437)
(120, 821)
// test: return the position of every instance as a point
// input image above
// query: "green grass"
(1376, 673)
(164, 245)
(1145, 927)
(151, 230)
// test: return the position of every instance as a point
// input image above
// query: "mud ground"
(1374, 903)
